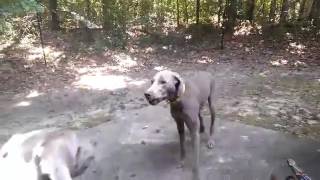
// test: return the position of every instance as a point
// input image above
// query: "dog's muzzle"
(151, 100)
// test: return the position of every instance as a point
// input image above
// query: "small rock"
(303, 111)
(157, 130)
(278, 125)
(273, 113)
(236, 103)
(145, 127)
(141, 99)
(122, 106)
(143, 142)
(133, 175)
(312, 122)
(296, 118)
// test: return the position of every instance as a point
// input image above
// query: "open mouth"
(154, 101)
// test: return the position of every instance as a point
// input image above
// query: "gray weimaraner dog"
(186, 97)
(47, 154)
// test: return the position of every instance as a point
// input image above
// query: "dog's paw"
(210, 144)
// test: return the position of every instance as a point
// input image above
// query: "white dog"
(53, 154)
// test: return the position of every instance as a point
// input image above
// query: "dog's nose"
(147, 95)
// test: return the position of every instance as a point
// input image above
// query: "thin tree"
(284, 11)
(197, 11)
(272, 12)
(220, 11)
(250, 10)
(54, 22)
(88, 36)
(107, 14)
(185, 12)
(315, 13)
(231, 15)
(178, 13)
(301, 10)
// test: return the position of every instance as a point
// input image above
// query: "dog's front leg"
(192, 122)
(196, 145)
(180, 127)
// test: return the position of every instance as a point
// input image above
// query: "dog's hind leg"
(213, 124)
(202, 129)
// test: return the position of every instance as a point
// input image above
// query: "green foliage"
(118, 16)
(9, 7)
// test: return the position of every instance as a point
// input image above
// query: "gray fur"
(186, 97)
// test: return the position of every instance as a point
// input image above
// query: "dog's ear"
(177, 83)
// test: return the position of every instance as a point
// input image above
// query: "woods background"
(119, 18)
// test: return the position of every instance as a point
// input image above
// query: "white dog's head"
(165, 85)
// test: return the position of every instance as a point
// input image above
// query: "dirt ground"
(256, 85)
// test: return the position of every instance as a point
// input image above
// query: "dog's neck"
(180, 93)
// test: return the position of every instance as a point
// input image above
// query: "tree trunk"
(87, 33)
(250, 10)
(301, 10)
(220, 11)
(315, 13)
(231, 15)
(54, 23)
(185, 12)
(284, 11)
(197, 11)
(293, 10)
(178, 14)
(272, 12)
(264, 7)
(108, 19)
(307, 9)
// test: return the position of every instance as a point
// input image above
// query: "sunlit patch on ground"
(106, 82)
(101, 82)
(23, 104)
(33, 94)
(160, 68)
(125, 60)
(246, 29)
(297, 48)
(279, 62)
(205, 60)
(27, 42)
(149, 50)
(51, 54)
(5, 44)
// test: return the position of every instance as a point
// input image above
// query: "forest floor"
(274, 86)
(267, 100)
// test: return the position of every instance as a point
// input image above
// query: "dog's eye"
(152, 81)
(162, 82)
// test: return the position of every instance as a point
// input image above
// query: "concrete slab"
(143, 144)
